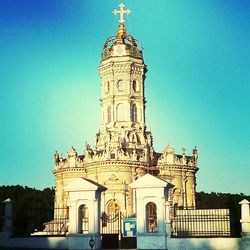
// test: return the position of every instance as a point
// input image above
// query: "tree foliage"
(219, 200)
(31, 207)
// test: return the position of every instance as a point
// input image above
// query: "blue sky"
(197, 85)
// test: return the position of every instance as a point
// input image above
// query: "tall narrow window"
(83, 219)
(151, 217)
(120, 112)
(107, 87)
(134, 86)
(133, 113)
(120, 85)
(109, 114)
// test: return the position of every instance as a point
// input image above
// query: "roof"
(149, 181)
(83, 184)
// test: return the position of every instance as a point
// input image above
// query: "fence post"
(8, 218)
(245, 218)
(167, 218)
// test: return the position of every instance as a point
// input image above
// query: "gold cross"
(121, 12)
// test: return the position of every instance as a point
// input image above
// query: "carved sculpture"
(56, 158)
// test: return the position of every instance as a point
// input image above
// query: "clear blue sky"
(197, 85)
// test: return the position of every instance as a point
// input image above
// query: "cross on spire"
(121, 12)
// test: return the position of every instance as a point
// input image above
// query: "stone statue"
(134, 155)
(72, 152)
(88, 153)
(56, 158)
(97, 138)
(61, 158)
(183, 151)
(72, 157)
(195, 154)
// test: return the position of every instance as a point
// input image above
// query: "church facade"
(123, 150)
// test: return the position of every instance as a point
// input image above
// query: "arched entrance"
(83, 219)
(111, 225)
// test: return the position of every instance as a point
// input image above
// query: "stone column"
(160, 214)
(140, 216)
(92, 217)
(73, 218)
(167, 218)
(245, 218)
(8, 218)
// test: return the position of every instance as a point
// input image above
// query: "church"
(120, 192)
(123, 150)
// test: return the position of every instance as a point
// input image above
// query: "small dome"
(122, 45)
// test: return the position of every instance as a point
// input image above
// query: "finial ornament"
(121, 12)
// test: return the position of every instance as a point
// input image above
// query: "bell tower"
(122, 72)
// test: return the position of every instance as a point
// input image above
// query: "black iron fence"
(59, 224)
(43, 221)
(192, 222)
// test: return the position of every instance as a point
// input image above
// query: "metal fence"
(59, 224)
(43, 221)
(201, 222)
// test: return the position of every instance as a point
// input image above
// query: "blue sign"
(129, 227)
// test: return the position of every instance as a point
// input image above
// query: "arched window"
(120, 112)
(107, 87)
(112, 155)
(134, 86)
(151, 217)
(120, 85)
(83, 219)
(177, 196)
(133, 113)
(109, 114)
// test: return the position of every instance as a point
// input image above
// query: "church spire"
(121, 33)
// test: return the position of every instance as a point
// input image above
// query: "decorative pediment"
(147, 181)
(169, 157)
(82, 184)
(169, 150)
(113, 180)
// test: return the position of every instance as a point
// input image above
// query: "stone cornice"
(68, 170)
(99, 164)
(117, 162)
(177, 167)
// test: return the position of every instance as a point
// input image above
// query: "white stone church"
(123, 149)
(121, 193)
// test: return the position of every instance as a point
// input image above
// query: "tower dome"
(122, 44)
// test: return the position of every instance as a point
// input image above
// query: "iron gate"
(111, 232)
(111, 223)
